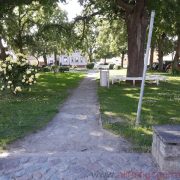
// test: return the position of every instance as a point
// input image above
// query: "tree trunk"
(160, 53)
(122, 59)
(104, 60)
(45, 59)
(176, 57)
(2, 50)
(136, 28)
(20, 44)
(55, 58)
(90, 55)
(152, 57)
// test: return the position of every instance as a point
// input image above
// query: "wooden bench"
(166, 147)
(156, 78)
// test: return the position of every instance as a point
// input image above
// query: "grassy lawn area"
(160, 106)
(29, 111)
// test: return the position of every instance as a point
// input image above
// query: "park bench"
(166, 147)
(119, 78)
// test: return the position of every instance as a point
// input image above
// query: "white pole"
(145, 68)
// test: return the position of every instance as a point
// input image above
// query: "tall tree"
(135, 15)
(20, 24)
(167, 25)
(7, 7)
(52, 34)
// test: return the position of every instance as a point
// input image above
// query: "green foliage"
(54, 33)
(90, 66)
(21, 24)
(63, 68)
(112, 39)
(45, 69)
(17, 75)
(37, 29)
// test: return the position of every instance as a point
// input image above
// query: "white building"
(75, 59)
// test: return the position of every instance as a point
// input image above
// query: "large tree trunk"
(176, 57)
(152, 56)
(136, 27)
(122, 59)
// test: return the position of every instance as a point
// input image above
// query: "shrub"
(74, 66)
(90, 66)
(46, 69)
(16, 74)
(55, 68)
(63, 68)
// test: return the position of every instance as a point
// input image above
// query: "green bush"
(16, 74)
(46, 69)
(63, 68)
(90, 66)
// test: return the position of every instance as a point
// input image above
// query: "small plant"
(45, 69)
(63, 68)
(16, 74)
(90, 66)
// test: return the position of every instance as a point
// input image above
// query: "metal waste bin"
(104, 78)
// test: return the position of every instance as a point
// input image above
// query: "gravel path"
(74, 146)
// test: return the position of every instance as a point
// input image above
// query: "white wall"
(75, 59)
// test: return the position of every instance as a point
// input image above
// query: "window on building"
(65, 59)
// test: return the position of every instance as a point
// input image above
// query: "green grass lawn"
(29, 111)
(161, 105)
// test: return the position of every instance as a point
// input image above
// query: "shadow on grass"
(160, 106)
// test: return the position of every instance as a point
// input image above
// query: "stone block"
(166, 147)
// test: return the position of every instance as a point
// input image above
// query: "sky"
(72, 7)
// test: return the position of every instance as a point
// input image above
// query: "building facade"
(75, 59)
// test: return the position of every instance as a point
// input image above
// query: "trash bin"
(104, 78)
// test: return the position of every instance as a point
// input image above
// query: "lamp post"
(138, 121)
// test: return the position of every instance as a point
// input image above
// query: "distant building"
(75, 59)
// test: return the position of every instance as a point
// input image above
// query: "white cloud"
(72, 7)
